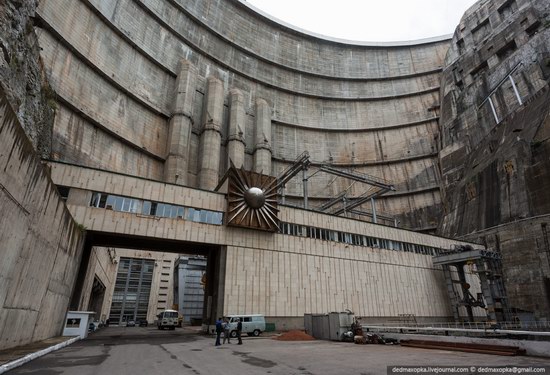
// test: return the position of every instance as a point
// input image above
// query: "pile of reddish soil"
(294, 336)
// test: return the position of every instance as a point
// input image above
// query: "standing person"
(226, 331)
(218, 331)
(239, 330)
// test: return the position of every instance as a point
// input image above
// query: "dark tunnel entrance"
(90, 291)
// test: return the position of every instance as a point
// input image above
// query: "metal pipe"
(488, 330)
(344, 204)
(501, 82)
(493, 109)
(304, 180)
(374, 219)
(515, 89)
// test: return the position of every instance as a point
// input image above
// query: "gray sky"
(370, 20)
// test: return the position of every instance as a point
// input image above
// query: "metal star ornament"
(252, 201)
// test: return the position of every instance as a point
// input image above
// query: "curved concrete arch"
(322, 94)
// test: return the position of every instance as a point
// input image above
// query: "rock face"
(495, 154)
(21, 73)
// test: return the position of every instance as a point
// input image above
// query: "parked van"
(253, 324)
(167, 319)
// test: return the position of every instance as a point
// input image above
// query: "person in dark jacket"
(239, 330)
(219, 330)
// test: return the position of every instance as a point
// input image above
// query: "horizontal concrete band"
(255, 78)
(249, 19)
(248, 49)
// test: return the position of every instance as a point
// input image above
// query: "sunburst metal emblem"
(252, 200)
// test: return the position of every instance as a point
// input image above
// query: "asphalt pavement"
(146, 350)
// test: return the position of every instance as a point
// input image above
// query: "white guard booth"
(76, 323)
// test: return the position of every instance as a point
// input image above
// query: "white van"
(167, 319)
(253, 324)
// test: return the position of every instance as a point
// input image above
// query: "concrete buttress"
(211, 135)
(236, 140)
(181, 123)
(262, 147)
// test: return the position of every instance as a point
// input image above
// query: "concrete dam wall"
(152, 87)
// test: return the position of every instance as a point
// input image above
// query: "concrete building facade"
(281, 275)
(105, 265)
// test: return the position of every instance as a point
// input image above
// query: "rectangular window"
(154, 208)
(63, 192)
(146, 208)
(95, 199)
(109, 202)
(102, 201)
(126, 204)
(203, 216)
(173, 212)
(347, 238)
(193, 214)
(134, 205)
(118, 203)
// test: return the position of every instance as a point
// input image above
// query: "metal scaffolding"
(342, 203)
(487, 265)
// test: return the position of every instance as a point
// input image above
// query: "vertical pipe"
(515, 89)
(262, 147)
(344, 204)
(180, 125)
(374, 218)
(236, 139)
(304, 182)
(211, 135)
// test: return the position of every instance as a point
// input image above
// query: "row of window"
(354, 239)
(125, 204)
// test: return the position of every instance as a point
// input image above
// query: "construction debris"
(294, 336)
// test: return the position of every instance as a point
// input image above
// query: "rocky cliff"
(494, 141)
(21, 73)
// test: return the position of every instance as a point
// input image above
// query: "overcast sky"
(370, 20)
